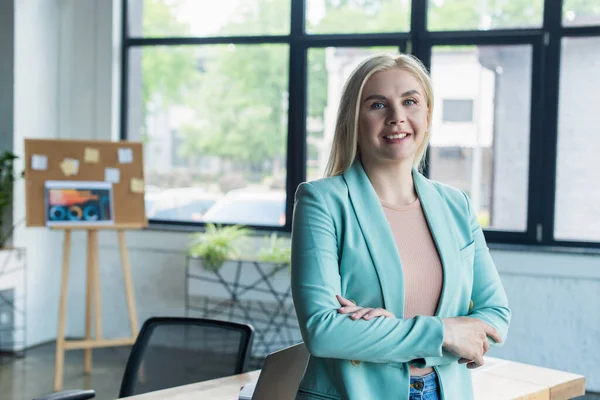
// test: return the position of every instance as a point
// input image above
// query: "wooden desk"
(496, 380)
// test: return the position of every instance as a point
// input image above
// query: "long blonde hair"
(345, 140)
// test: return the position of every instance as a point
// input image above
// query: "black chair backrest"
(171, 351)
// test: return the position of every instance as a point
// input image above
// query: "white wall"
(35, 115)
(64, 77)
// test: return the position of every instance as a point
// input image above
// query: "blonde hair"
(345, 140)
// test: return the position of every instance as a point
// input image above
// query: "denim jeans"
(425, 387)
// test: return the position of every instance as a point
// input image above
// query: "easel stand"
(92, 299)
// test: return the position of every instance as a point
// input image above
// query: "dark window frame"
(546, 53)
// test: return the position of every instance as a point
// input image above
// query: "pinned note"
(91, 155)
(39, 162)
(137, 185)
(125, 155)
(69, 166)
(112, 175)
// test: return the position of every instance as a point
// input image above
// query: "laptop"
(280, 376)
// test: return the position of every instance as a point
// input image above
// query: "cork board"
(86, 161)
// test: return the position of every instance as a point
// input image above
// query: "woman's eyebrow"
(382, 97)
(375, 97)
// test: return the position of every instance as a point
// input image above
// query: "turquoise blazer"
(343, 244)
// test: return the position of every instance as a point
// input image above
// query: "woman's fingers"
(349, 309)
(343, 301)
(357, 312)
(378, 312)
(360, 313)
(486, 346)
(492, 332)
(478, 362)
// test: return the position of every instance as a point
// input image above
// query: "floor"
(28, 377)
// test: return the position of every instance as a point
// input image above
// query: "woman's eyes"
(379, 105)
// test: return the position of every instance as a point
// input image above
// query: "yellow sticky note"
(91, 155)
(69, 166)
(137, 185)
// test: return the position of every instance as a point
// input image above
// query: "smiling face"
(393, 118)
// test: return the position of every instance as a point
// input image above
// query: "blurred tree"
(168, 72)
(241, 104)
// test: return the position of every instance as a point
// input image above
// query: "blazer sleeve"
(315, 281)
(490, 303)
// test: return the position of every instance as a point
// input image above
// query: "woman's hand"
(356, 312)
(468, 338)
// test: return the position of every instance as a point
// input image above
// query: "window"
(484, 15)
(197, 18)
(581, 13)
(214, 122)
(493, 166)
(236, 105)
(357, 16)
(578, 168)
(457, 110)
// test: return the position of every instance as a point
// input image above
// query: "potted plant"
(12, 265)
(7, 180)
(217, 244)
(278, 251)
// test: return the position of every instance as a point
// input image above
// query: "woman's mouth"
(396, 137)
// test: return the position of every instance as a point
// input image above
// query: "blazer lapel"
(378, 236)
(435, 208)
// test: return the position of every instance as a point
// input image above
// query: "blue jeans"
(425, 387)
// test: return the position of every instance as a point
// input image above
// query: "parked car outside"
(249, 207)
(184, 204)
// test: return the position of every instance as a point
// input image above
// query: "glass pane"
(214, 123)
(328, 69)
(451, 15)
(578, 170)
(581, 12)
(182, 18)
(357, 16)
(486, 154)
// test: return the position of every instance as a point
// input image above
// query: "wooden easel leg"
(87, 353)
(128, 285)
(97, 297)
(62, 311)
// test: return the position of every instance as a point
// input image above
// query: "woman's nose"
(397, 116)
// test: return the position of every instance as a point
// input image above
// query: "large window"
(578, 164)
(482, 145)
(236, 104)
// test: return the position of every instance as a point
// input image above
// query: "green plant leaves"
(217, 244)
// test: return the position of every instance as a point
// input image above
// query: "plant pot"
(253, 292)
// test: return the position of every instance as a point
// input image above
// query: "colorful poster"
(79, 203)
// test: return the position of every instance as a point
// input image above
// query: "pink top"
(421, 264)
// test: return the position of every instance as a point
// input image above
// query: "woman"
(394, 288)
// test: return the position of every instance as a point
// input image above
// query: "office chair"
(173, 351)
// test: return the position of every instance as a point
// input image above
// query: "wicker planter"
(253, 292)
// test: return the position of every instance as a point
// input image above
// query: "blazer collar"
(382, 245)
